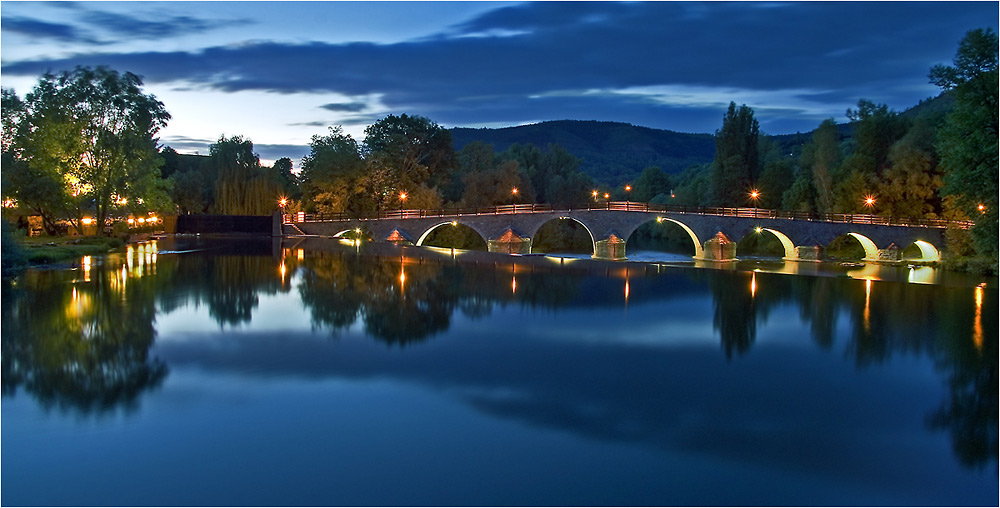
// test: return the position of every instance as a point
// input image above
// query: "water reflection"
(81, 339)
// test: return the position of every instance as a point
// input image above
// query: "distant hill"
(614, 152)
(611, 152)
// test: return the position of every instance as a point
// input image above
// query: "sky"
(279, 73)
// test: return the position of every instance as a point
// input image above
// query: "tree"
(330, 174)
(417, 150)
(734, 170)
(651, 182)
(94, 129)
(876, 129)
(822, 156)
(909, 187)
(242, 187)
(967, 142)
(283, 174)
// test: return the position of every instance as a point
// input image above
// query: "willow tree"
(95, 129)
(242, 187)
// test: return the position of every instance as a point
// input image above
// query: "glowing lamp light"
(141, 220)
(402, 196)
(152, 219)
(514, 190)
(981, 208)
(869, 201)
(86, 221)
(754, 194)
(131, 220)
(628, 188)
(594, 193)
(454, 223)
(606, 195)
(758, 229)
(283, 201)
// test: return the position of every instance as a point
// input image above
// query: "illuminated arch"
(871, 250)
(699, 249)
(593, 242)
(420, 241)
(786, 242)
(928, 252)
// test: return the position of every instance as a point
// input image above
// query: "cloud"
(87, 23)
(125, 26)
(350, 107)
(657, 61)
(45, 30)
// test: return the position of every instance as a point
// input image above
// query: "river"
(197, 371)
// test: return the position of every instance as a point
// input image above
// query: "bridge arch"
(699, 248)
(871, 250)
(928, 252)
(593, 241)
(786, 243)
(428, 231)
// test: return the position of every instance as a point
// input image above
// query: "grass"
(48, 250)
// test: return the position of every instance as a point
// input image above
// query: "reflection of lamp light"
(977, 325)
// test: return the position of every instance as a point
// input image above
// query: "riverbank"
(19, 253)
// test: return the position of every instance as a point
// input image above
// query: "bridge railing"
(631, 206)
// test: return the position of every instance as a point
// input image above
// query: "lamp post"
(513, 199)
(402, 199)
(594, 193)
(870, 202)
(628, 193)
(754, 196)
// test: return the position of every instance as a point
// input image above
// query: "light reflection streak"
(868, 296)
(513, 284)
(86, 268)
(977, 325)
(753, 284)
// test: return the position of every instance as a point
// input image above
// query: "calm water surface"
(194, 372)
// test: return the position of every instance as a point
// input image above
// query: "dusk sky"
(281, 72)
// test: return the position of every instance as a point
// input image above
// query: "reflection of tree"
(402, 300)
(85, 349)
(735, 311)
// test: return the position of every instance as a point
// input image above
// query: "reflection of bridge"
(714, 231)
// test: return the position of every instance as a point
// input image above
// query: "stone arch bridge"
(714, 231)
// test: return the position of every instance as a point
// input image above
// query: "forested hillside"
(611, 152)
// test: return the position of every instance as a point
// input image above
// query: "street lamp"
(513, 199)
(754, 196)
(595, 195)
(870, 202)
(981, 208)
(628, 193)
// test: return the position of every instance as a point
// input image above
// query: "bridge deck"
(629, 206)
